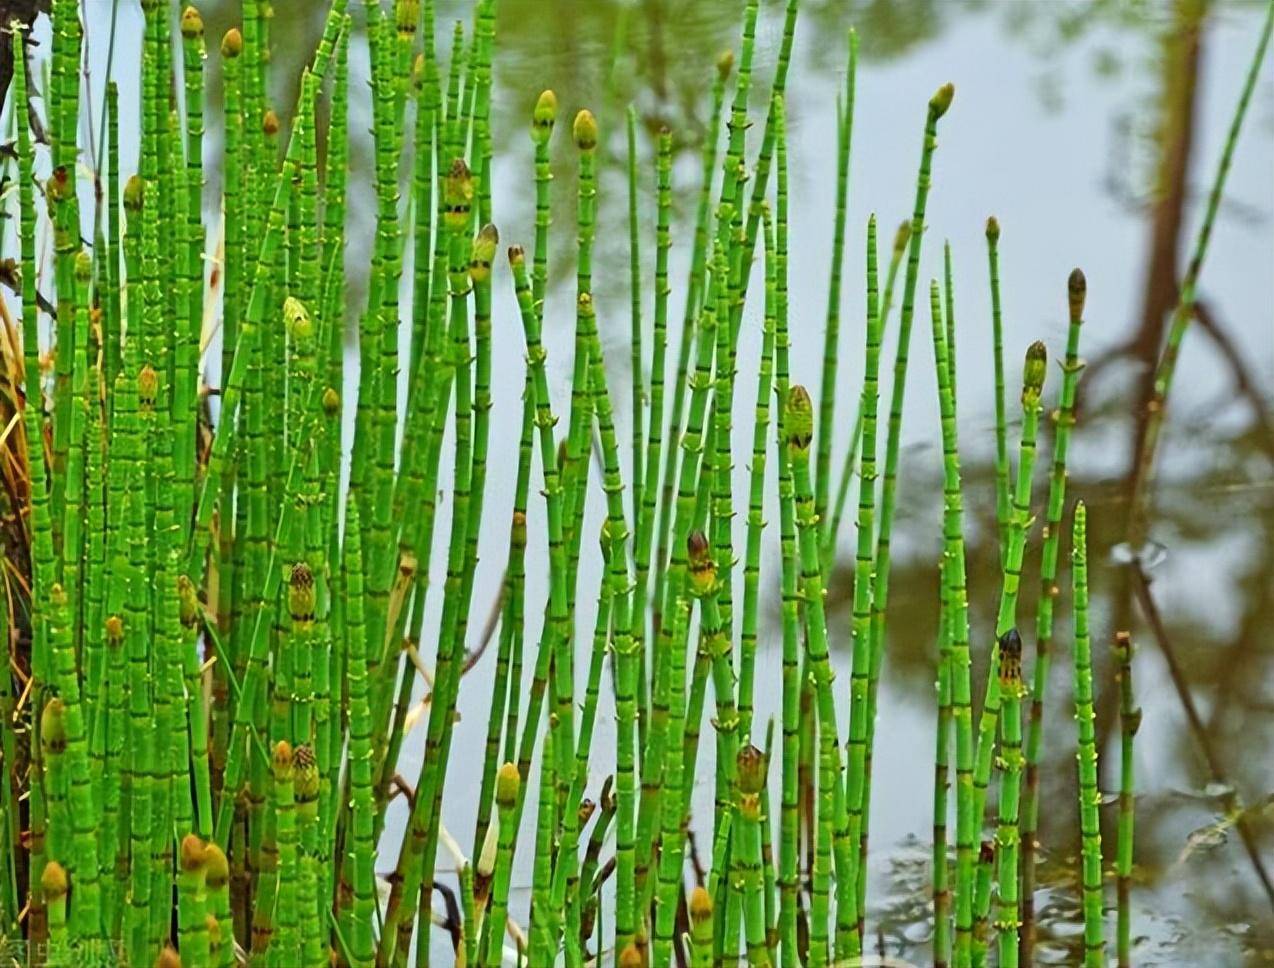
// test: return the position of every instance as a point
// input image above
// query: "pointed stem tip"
(1077, 292)
(585, 130)
(941, 100)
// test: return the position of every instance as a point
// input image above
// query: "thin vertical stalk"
(756, 492)
(694, 299)
(1011, 690)
(1064, 419)
(1033, 372)
(938, 106)
(1089, 794)
(1001, 423)
(636, 359)
(831, 331)
(1129, 722)
(860, 672)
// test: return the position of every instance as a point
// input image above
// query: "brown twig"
(1244, 385)
(1230, 799)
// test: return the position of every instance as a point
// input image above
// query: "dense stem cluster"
(217, 655)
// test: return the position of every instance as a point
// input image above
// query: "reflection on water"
(1091, 129)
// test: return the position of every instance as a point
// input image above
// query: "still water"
(1056, 129)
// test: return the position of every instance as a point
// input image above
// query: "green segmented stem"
(687, 490)
(285, 945)
(576, 468)
(72, 518)
(504, 691)
(672, 835)
(625, 662)
(1001, 434)
(938, 106)
(1064, 420)
(217, 885)
(714, 651)
(453, 132)
(957, 603)
(1089, 794)
(652, 745)
(850, 465)
(254, 105)
(1019, 521)
(789, 824)
(831, 331)
(751, 768)
(484, 40)
(259, 638)
(94, 659)
(565, 895)
(756, 492)
(761, 175)
(331, 312)
(694, 291)
(859, 683)
(65, 216)
(542, 122)
(1011, 690)
(196, 708)
(406, 22)
(306, 784)
(85, 916)
(798, 428)
(359, 840)
(515, 617)
(65, 89)
(234, 250)
(733, 171)
(186, 385)
(948, 287)
(53, 777)
(769, 877)
(44, 564)
(506, 801)
(484, 250)
(636, 368)
(820, 951)
(555, 637)
(192, 900)
(700, 906)
(306, 199)
(53, 891)
(233, 384)
(1165, 369)
(719, 629)
(113, 184)
(424, 178)
(164, 216)
(416, 864)
(942, 893)
(59, 193)
(1129, 722)
(542, 948)
(941, 875)
(378, 425)
(982, 882)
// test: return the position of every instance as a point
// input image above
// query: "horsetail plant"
(1129, 722)
(225, 617)
(1089, 794)
(1011, 692)
(1064, 419)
